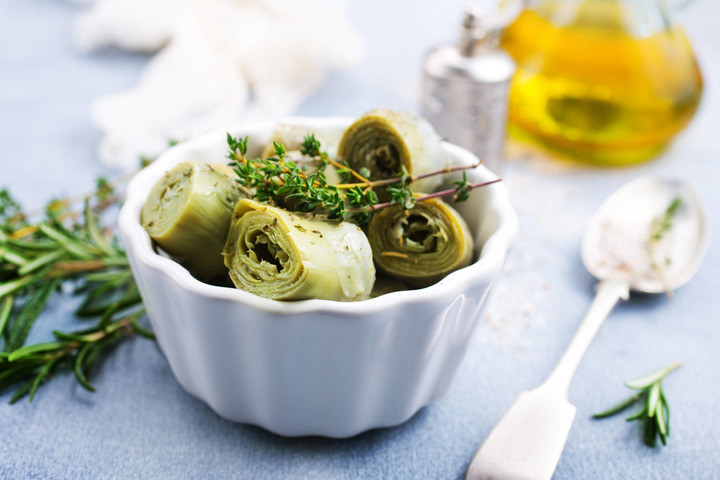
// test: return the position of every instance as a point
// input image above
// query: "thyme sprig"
(662, 225)
(659, 228)
(282, 181)
(655, 412)
(65, 248)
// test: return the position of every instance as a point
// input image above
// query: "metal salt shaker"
(465, 90)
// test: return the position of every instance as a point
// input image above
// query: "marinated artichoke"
(293, 256)
(187, 214)
(384, 141)
(422, 245)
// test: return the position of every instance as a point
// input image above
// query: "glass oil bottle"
(605, 81)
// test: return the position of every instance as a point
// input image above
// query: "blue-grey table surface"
(141, 424)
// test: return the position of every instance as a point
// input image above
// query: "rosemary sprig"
(280, 180)
(66, 247)
(655, 412)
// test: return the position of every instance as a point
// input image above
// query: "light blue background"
(141, 424)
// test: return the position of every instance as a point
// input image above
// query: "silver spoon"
(527, 442)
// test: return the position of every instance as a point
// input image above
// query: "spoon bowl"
(626, 241)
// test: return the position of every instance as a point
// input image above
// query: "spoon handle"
(527, 442)
(608, 293)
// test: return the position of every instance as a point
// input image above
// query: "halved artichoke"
(422, 245)
(285, 255)
(187, 214)
(384, 141)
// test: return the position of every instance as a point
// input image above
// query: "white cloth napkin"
(219, 62)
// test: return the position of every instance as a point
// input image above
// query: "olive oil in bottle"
(605, 81)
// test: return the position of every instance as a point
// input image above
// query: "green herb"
(65, 248)
(275, 179)
(401, 193)
(463, 189)
(662, 225)
(654, 413)
(659, 228)
(311, 146)
(10, 210)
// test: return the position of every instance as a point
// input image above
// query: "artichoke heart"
(384, 141)
(187, 214)
(281, 255)
(422, 245)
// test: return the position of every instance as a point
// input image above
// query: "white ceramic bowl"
(314, 367)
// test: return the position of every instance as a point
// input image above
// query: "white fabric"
(218, 62)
